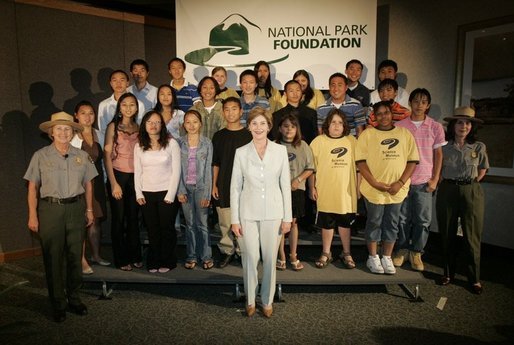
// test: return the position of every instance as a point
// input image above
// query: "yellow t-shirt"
(336, 181)
(386, 153)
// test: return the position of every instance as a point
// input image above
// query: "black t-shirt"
(225, 142)
(307, 118)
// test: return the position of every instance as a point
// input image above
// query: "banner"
(318, 36)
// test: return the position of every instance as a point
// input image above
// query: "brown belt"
(63, 201)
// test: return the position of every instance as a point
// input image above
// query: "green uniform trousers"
(467, 202)
(61, 231)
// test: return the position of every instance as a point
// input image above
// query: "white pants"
(265, 235)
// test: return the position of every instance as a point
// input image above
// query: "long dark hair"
(144, 138)
(330, 116)
(216, 85)
(309, 92)
(267, 83)
(174, 103)
(297, 140)
(471, 138)
(118, 117)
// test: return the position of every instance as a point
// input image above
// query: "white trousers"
(265, 235)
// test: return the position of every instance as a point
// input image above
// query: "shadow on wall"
(401, 79)
(80, 80)
(40, 94)
(103, 78)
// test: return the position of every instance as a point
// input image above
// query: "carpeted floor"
(207, 314)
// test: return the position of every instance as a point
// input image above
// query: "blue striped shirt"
(258, 102)
(352, 108)
(186, 96)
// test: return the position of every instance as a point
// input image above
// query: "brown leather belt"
(63, 201)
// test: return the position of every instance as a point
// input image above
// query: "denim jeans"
(198, 242)
(382, 222)
(415, 219)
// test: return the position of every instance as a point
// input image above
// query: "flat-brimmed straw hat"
(463, 113)
(60, 118)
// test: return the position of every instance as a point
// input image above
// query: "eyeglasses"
(157, 123)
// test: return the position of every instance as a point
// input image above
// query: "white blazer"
(260, 189)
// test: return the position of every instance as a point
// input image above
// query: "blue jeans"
(415, 219)
(198, 242)
(382, 222)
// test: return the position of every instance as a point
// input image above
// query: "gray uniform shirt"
(60, 176)
(463, 163)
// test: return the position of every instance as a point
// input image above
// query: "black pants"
(126, 244)
(160, 223)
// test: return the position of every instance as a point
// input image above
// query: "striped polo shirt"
(429, 136)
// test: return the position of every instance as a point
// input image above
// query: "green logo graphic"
(234, 40)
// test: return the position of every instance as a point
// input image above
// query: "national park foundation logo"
(232, 37)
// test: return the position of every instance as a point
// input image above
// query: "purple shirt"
(191, 167)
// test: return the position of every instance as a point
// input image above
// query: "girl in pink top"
(120, 138)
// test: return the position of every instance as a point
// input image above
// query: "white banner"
(318, 36)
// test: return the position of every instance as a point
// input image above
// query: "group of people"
(257, 158)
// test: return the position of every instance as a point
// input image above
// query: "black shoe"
(477, 289)
(444, 280)
(79, 309)
(226, 260)
(59, 315)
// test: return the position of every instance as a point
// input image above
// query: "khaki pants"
(226, 243)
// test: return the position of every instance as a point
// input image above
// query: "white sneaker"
(387, 264)
(374, 265)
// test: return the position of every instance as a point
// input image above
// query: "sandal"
(138, 264)
(207, 265)
(281, 265)
(190, 265)
(297, 264)
(126, 268)
(347, 260)
(324, 260)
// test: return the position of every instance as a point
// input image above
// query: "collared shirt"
(147, 95)
(175, 124)
(186, 96)
(60, 176)
(106, 110)
(258, 102)
(464, 163)
(360, 93)
(352, 108)
(203, 166)
(429, 136)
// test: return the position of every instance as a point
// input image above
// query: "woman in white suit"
(260, 194)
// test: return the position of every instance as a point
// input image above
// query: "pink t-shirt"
(429, 136)
(123, 153)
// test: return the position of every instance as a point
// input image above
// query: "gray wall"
(41, 46)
